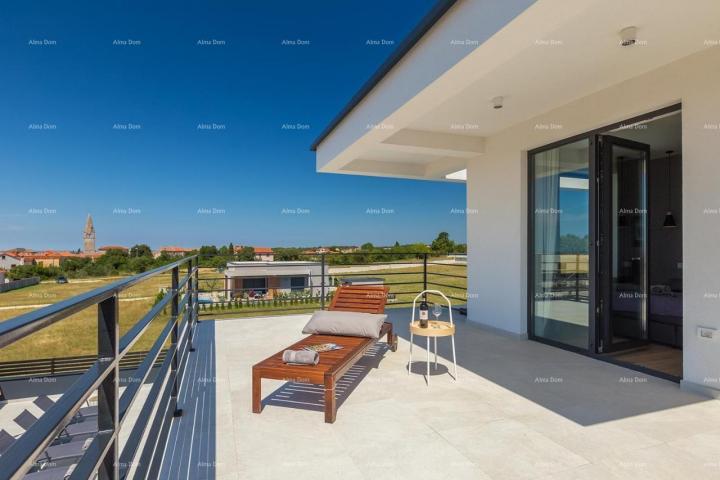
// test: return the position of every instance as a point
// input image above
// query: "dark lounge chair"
(55, 473)
(73, 431)
(45, 403)
(64, 452)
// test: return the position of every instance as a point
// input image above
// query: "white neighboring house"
(269, 278)
(550, 111)
(8, 261)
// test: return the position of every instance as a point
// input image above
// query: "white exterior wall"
(7, 262)
(497, 237)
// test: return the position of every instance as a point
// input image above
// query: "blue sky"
(64, 100)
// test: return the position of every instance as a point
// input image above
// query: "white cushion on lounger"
(351, 324)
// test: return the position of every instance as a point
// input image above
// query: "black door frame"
(603, 245)
(593, 340)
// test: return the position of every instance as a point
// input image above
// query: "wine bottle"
(424, 314)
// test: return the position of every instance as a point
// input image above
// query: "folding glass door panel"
(559, 254)
(623, 243)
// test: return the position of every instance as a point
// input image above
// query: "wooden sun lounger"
(334, 364)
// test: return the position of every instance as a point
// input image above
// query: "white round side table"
(435, 329)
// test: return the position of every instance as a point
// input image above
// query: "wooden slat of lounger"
(362, 299)
(329, 361)
(358, 298)
(352, 303)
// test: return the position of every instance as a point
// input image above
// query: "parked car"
(61, 279)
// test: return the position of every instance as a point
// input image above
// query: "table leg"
(452, 338)
(256, 392)
(330, 404)
(435, 340)
(428, 360)
(410, 360)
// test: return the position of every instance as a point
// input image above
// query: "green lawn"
(77, 334)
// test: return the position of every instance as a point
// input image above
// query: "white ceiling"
(553, 53)
(579, 57)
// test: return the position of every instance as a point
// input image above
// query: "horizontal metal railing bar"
(183, 302)
(447, 264)
(23, 325)
(137, 330)
(143, 371)
(19, 458)
(185, 278)
(138, 429)
(334, 275)
(93, 455)
(380, 263)
(437, 284)
(260, 310)
(416, 282)
(446, 275)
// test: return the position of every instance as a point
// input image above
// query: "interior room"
(658, 345)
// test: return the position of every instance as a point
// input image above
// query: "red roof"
(263, 250)
(175, 249)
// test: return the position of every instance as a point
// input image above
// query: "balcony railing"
(103, 455)
(406, 275)
(162, 365)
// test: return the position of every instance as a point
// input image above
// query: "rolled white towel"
(304, 357)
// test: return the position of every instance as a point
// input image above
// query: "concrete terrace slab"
(519, 410)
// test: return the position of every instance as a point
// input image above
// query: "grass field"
(77, 335)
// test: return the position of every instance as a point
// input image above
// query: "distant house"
(316, 251)
(268, 278)
(172, 251)
(53, 258)
(264, 254)
(8, 261)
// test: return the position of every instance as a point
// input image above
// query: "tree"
(114, 259)
(74, 264)
(140, 250)
(246, 253)
(286, 254)
(208, 250)
(368, 247)
(140, 264)
(442, 244)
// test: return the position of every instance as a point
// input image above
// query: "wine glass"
(437, 311)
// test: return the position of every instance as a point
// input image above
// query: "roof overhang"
(431, 112)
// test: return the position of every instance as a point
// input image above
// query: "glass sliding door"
(559, 256)
(623, 243)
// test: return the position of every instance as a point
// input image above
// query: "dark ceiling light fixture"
(669, 217)
(628, 36)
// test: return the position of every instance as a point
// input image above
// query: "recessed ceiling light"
(497, 102)
(628, 36)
